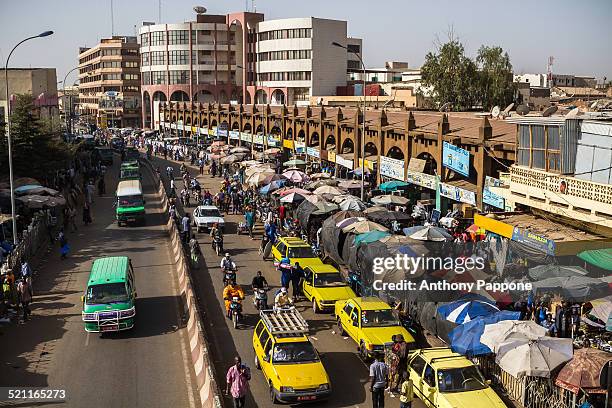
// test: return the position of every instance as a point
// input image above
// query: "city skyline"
(471, 25)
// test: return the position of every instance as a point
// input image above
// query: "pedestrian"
(63, 243)
(378, 381)
(297, 275)
(185, 224)
(406, 391)
(201, 166)
(86, 213)
(101, 186)
(281, 213)
(249, 217)
(25, 296)
(89, 192)
(238, 377)
(400, 350)
(72, 213)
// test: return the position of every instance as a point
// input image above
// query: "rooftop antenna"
(159, 11)
(551, 61)
(199, 9)
(495, 112)
(112, 19)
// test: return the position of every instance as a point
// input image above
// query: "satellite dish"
(444, 108)
(199, 9)
(573, 113)
(549, 111)
(594, 104)
(522, 110)
(495, 111)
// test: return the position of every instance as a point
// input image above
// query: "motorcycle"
(261, 299)
(229, 275)
(217, 244)
(235, 311)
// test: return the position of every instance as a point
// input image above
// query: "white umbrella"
(258, 169)
(536, 358)
(350, 184)
(507, 330)
(328, 190)
(292, 198)
(317, 176)
(240, 149)
(348, 221)
(428, 233)
(257, 179)
(361, 227)
(390, 199)
(296, 176)
(354, 204)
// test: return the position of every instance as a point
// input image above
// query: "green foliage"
(464, 83)
(37, 151)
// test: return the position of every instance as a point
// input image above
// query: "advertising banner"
(344, 162)
(331, 157)
(234, 134)
(288, 144)
(457, 194)
(300, 147)
(393, 168)
(258, 140)
(534, 241)
(489, 197)
(421, 179)
(456, 159)
(368, 164)
(313, 151)
(203, 130)
(246, 137)
(212, 131)
(272, 142)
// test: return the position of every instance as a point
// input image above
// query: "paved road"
(347, 372)
(144, 367)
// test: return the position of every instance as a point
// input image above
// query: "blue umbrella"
(392, 185)
(275, 185)
(369, 237)
(464, 310)
(27, 187)
(465, 338)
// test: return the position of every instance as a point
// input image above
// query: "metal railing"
(31, 241)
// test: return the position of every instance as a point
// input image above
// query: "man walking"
(378, 381)
(185, 224)
(238, 377)
(25, 296)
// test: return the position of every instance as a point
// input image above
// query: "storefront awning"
(602, 258)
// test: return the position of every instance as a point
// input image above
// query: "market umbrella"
(217, 156)
(38, 201)
(27, 188)
(274, 185)
(555, 271)
(361, 227)
(295, 190)
(349, 184)
(465, 338)
(602, 310)
(374, 209)
(497, 333)
(317, 176)
(602, 258)
(274, 177)
(240, 149)
(24, 181)
(390, 199)
(462, 311)
(259, 169)
(249, 163)
(357, 172)
(369, 237)
(292, 198)
(354, 204)
(257, 179)
(328, 190)
(533, 357)
(348, 221)
(584, 371)
(314, 199)
(296, 176)
(294, 162)
(427, 233)
(392, 185)
(318, 183)
(218, 143)
(37, 190)
(389, 216)
(324, 207)
(232, 158)
(273, 150)
(573, 288)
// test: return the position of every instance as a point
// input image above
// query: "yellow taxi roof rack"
(284, 322)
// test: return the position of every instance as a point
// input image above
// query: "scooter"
(235, 311)
(217, 244)
(261, 299)
(229, 275)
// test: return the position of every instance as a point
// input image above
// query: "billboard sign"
(393, 168)
(456, 159)
(489, 197)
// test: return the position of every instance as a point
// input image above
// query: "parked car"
(205, 216)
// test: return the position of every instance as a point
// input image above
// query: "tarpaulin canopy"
(370, 236)
(601, 258)
(463, 311)
(555, 271)
(307, 209)
(465, 338)
(573, 288)
(392, 185)
(332, 238)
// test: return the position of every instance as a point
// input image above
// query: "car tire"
(257, 365)
(340, 328)
(315, 307)
(273, 398)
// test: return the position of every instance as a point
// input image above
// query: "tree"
(36, 152)
(452, 76)
(495, 71)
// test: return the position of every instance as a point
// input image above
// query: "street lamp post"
(8, 132)
(68, 116)
(363, 122)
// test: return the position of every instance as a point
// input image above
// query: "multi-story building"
(109, 83)
(41, 83)
(240, 58)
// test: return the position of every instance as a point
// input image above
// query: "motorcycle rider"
(282, 299)
(216, 234)
(227, 263)
(259, 282)
(231, 290)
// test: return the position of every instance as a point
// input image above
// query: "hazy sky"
(577, 33)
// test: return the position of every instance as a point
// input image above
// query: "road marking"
(87, 339)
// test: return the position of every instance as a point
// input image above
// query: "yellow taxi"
(370, 322)
(445, 379)
(288, 360)
(323, 286)
(297, 250)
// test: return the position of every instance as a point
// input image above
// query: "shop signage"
(212, 131)
(457, 194)
(368, 164)
(456, 159)
(193, 129)
(331, 157)
(288, 144)
(246, 137)
(272, 141)
(234, 134)
(313, 151)
(393, 168)
(204, 130)
(222, 132)
(258, 139)
(416, 165)
(489, 197)
(534, 241)
(421, 179)
(344, 162)
(300, 147)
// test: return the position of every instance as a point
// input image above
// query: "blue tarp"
(464, 310)
(465, 339)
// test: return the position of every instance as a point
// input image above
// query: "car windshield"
(129, 173)
(208, 213)
(302, 352)
(131, 201)
(460, 379)
(328, 279)
(301, 252)
(378, 318)
(106, 293)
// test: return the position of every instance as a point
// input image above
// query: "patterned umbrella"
(427, 233)
(390, 199)
(462, 311)
(296, 176)
(328, 190)
(584, 371)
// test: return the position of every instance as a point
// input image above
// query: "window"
(110, 52)
(429, 376)
(111, 64)
(418, 364)
(281, 248)
(178, 77)
(282, 34)
(353, 48)
(267, 347)
(348, 308)
(158, 38)
(259, 328)
(538, 146)
(131, 77)
(176, 37)
(144, 39)
(178, 57)
(524, 144)
(158, 58)
(264, 336)
(146, 78)
(130, 64)
(158, 78)
(111, 77)
(146, 59)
